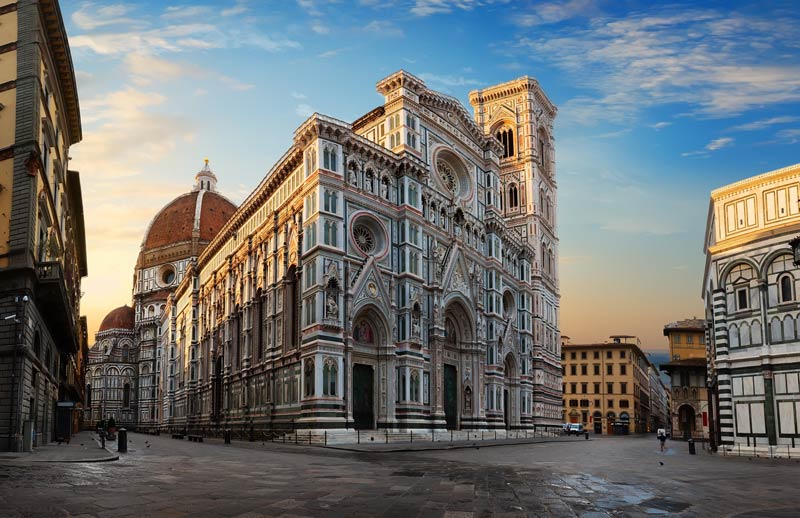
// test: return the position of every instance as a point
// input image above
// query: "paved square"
(625, 476)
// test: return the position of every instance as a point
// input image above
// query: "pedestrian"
(662, 437)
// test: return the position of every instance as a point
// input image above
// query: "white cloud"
(332, 52)
(702, 58)
(384, 28)
(790, 135)
(239, 8)
(172, 38)
(714, 145)
(428, 7)
(309, 6)
(90, 16)
(553, 12)
(660, 125)
(186, 11)
(764, 123)
(298, 95)
(719, 143)
(320, 28)
(146, 69)
(446, 82)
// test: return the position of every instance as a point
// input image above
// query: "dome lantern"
(205, 179)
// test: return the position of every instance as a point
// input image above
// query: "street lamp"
(795, 244)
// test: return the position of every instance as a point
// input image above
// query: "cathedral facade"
(398, 272)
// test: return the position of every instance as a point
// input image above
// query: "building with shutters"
(43, 342)
(607, 386)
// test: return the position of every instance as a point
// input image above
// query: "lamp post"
(795, 244)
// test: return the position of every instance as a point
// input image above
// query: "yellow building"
(687, 339)
(687, 371)
(42, 249)
(606, 385)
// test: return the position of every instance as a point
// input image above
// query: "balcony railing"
(49, 271)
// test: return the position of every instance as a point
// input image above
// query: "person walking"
(662, 437)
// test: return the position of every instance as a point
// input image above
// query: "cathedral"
(398, 272)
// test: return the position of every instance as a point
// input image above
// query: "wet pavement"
(604, 477)
(83, 447)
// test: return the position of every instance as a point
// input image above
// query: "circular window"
(364, 238)
(447, 175)
(451, 175)
(167, 276)
(369, 235)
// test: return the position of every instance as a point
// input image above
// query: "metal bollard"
(691, 447)
(227, 435)
(122, 440)
(587, 435)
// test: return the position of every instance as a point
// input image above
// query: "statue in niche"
(415, 326)
(467, 400)
(352, 175)
(331, 306)
(385, 189)
(438, 257)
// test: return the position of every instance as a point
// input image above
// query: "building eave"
(59, 44)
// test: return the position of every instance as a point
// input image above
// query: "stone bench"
(195, 438)
(177, 436)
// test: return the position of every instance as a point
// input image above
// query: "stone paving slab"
(83, 447)
(628, 477)
(421, 446)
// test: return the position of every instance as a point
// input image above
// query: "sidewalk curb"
(441, 448)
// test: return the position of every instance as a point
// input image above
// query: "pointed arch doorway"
(509, 390)
(369, 369)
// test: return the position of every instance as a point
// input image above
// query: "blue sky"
(658, 104)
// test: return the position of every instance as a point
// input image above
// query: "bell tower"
(520, 116)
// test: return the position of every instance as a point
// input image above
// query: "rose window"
(364, 238)
(447, 175)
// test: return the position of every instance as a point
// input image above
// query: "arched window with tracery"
(329, 158)
(506, 137)
(513, 196)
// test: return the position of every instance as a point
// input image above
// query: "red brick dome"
(121, 318)
(203, 212)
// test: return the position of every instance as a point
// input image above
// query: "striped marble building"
(750, 289)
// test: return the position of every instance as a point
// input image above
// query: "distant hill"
(659, 357)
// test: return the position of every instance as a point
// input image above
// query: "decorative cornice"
(755, 181)
(59, 46)
(524, 84)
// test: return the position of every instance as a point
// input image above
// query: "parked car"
(575, 429)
